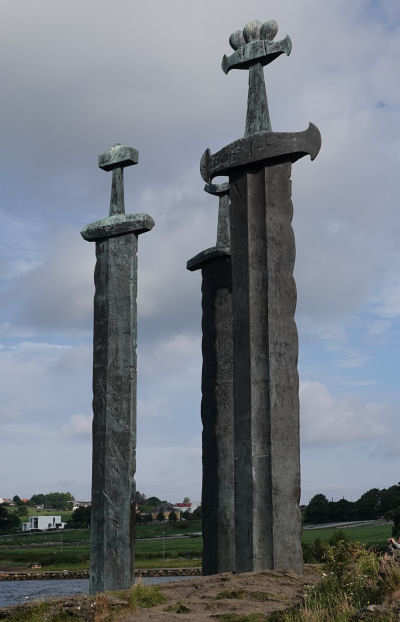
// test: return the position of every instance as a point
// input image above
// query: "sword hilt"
(115, 160)
(254, 48)
(223, 229)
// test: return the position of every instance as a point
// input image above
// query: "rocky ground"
(225, 597)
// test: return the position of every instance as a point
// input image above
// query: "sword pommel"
(254, 44)
(118, 156)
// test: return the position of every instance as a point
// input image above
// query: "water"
(17, 592)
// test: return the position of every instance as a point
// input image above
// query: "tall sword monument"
(114, 382)
(217, 393)
(266, 455)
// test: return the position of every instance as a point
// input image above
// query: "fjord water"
(18, 592)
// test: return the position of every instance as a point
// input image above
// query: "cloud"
(57, 294)
(152, 79)
(328, 420)
(171, 472)
(79, 426)
(39, 385)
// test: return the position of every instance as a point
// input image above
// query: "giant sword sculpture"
(217, 393)
(266, 456)
(113, 516)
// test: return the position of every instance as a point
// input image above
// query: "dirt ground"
(198, 599)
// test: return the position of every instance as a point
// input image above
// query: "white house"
(43, 523)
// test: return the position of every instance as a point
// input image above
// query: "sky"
(78, 77)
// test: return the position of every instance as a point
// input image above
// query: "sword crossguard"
(259, 150)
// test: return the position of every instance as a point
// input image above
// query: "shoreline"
(84, 574)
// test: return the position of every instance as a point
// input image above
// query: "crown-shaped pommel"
(255, 44)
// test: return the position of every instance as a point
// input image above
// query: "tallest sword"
(267, 520)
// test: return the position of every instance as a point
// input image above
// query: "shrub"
(146, 596)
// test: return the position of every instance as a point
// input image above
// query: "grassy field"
(143, 530)
(70, 549)
(368, 534)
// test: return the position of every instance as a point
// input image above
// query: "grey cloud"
(150, 76)
(329, 420)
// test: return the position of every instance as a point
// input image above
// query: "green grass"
(172, 547)
(146, 596)
(70, 556)
(155, 529)
(46, 538)
(69, 549)
(370, 534)
(143, 530)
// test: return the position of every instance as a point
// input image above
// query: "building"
(81, 504)
(43, 523)
(183, 507)
(166, 514)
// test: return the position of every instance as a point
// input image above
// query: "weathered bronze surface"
(217, 394)
(266, 454)
(114, 384)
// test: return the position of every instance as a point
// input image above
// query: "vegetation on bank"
(13, 512)
(373, 504)
(357, 585)
(81, 536)
(69, 550)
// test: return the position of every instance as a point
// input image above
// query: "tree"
(37, 499)
(17, 500)
(317, 511)
(160, 516)
(58, 501)
(9, 521)
(390, 499)
(80, 518)
(22, 511)
(197, 513)
(394, 515)
(153, 501)
(341, 510)
(369, 504)
(140, 498)
(53, 500)
(172, 516)
(187, 515)
(186, 500)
